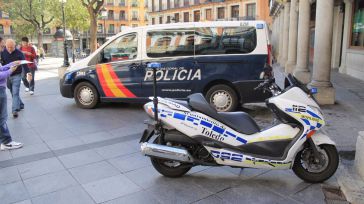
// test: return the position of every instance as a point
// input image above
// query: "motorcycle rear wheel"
(169, 168)
(306, 169)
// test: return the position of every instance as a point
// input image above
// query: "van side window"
(123, 48)
(170, 42)
(225, 40)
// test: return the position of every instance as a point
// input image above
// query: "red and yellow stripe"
(110, 83)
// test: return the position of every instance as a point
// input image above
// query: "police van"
(222, 59)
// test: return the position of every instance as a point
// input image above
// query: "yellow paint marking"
(110, 83)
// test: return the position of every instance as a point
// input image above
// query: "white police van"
(222, 59)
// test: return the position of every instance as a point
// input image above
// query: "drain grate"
(333, 195)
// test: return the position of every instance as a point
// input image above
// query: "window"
(160, 5)
(225, 40)
(100, 28)
(122, 3)
(357, 32)
(153, 6)
(250, 10)
(122, 48)
(134, 3)
(161, 20)
(196, 16)
(122, 26)
(176, 17)
(111, 28)
(168, 19)
(235, 12)
(122, 16)
(221, 13)
(186, 17)
(186, 3)
(208, 13)
(176, 3)
(170, 42)
(1, 29)
(153, 21)
(110, 15)
(134, 25)
(196, 2)
(110, 2)
(135, 15)
(168, 4)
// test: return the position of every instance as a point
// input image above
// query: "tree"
(93, 7)
(38, 13)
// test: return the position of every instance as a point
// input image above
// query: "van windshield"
(201, 41)
(123, 48)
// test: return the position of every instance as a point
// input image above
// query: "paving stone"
(118, 149)
(13, 192)
(5, 155)
(24, 202)
(53, 132)
(40, 167)
(96, 137)
(27, 150)
(284, 182)
(64, 143)
(80, 158)
(214, 179)
(92, 172)
(9, 175)
(252, 193)
(110, 188)
(49, 183)
(135, 198)
(72, 195)
(150, 177)
(130, 162)
(210, 200)
(311, 194)
(178, 190)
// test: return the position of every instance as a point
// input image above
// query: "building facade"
(174, 11)
(329, 34)
(6, 30)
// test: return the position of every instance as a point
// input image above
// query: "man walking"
(5, 138)
(11, 54)
(31, 56)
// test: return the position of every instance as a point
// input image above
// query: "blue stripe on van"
(206, 124)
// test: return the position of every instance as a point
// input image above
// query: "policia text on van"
(222, 60)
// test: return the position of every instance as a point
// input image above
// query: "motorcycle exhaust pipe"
(166, 152)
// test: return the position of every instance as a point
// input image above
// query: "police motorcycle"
(190, 133)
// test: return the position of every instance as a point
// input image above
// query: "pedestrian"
(11, 54)
(41, 53)
(31, 56)
(6, 141)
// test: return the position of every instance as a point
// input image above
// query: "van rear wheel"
(86, 95)
(223, 98)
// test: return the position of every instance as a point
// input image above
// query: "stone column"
(280, 33)
(301, 71)
(285, 33)
(346, 34)
(323, 50)
(292, 39)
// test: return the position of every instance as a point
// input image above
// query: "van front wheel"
(222, 97)
(86, 95)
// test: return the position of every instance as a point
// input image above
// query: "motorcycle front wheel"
(308, 169)
(167, 167)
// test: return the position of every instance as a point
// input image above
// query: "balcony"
(134, 18)
(123, 18)
(122, 4)
(134, 4)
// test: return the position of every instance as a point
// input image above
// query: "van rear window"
(201, 41)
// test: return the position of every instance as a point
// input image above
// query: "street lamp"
(65, 54)
(104, 16)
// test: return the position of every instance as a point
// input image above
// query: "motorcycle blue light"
(314, 90)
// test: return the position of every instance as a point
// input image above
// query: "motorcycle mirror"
(314, 91)
(154, 65)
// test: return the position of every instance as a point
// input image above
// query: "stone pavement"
(92, 156)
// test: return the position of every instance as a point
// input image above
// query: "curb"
(351, 184)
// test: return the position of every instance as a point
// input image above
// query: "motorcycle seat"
(239, 121)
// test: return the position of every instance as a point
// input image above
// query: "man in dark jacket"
(11, 54)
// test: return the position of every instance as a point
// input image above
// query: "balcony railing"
(122, 4)
(134, 18)
(134, 4)
(122, 18)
